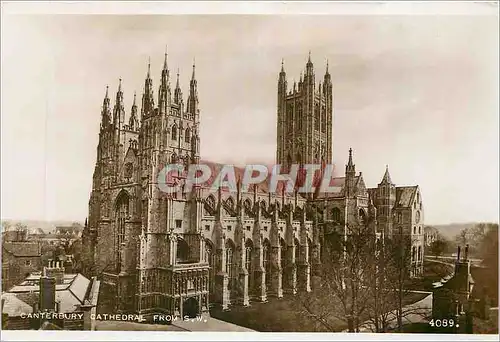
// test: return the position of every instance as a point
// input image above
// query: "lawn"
(276, 315)
(284, 315)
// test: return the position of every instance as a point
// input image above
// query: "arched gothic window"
(174, 132)
(263, 205)
(316, 117)
(230, 203)
(283, 253)
(299, 117)
(297, 251)
(336, 214)
(210, 254)
(121, 214)
(362, 216)
(248, 206)
(248, 261)
(187, 136)
(229, 261)
(267, 261)
(182, 251)
(173, 158)
(323, 119)
(309, 251)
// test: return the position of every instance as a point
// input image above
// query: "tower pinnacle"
(149, 67)
(194, 66)
(387, 177)
(350, 168)
(165, 65)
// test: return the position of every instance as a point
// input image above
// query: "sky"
(417, 93)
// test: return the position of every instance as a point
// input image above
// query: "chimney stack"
(466, 256)
(458, 254)
(47, 299)
(55, 270)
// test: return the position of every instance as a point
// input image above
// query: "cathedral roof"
(262, 187)
(405, 195)
(337, 182)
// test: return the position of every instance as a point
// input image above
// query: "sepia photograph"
(325, 169)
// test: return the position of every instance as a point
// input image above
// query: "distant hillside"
(450, 231)
(46, 226)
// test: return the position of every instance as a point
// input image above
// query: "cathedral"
(181, 253)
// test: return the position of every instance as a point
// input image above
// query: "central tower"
(305, 117)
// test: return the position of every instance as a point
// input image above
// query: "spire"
(119, 112)
(133, 122)
(350, 168)
(177, 92)
(350, 158)
(148, 97)
(164, 89)
(194, 66)
(192, 101)
(119, 93)
(282, 79)
(165, 64)
(387, 177)
(149, 67)
(106, 110)
(309, 66)
(327, 73)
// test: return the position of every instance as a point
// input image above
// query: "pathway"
(209, 324)
(413, 313)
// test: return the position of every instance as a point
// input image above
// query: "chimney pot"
(458, 254)
(466, 256)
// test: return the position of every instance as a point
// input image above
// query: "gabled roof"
(405, 195)
(14, 306)
(70, 294)
(23, 248)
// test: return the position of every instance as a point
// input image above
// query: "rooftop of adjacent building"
(461, 280)
(73, 291)
(22, 248)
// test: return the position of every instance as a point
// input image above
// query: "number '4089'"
(443, 323)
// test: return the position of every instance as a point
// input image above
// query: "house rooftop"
(70, 294)
(22, 248)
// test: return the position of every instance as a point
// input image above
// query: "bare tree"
(345, 278)
(21, 231)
